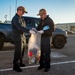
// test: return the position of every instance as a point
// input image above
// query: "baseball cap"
(22, 8)
(41, 12)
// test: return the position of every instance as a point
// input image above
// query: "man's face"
(21, 12)
(43, 16)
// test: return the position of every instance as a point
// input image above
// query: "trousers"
(19, 48)
(45, 52)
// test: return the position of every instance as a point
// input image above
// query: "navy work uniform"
(18, 26)
(45, 41)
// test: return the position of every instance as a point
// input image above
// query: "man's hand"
(34, 29)
(32, 32)
(41, 31)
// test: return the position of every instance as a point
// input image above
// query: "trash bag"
(34, 51)
(34, 44)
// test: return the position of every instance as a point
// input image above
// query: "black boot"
(46, 69)
(22, 65)
(40, 67)
(17, 68)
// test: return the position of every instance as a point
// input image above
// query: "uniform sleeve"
(51, 25)
(18, 25)
(38, 28)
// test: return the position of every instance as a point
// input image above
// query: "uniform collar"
(46, 17)
(18, 15)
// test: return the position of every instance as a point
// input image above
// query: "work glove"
(41, 31)
(32, 32)
(34, 29)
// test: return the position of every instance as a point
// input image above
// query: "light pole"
(5, 18)
(10, 13)
(15, 6)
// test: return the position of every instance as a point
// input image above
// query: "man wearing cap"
(45, 39)
(19, 28)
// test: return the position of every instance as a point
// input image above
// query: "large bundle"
(34, 48)
(34, 51)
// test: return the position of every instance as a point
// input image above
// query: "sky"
(61, 11)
